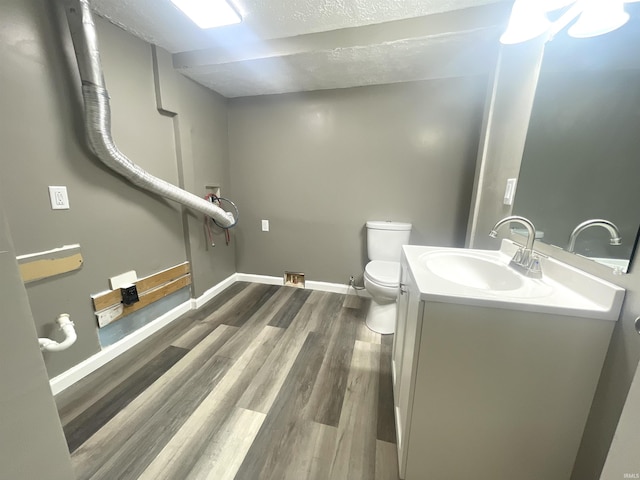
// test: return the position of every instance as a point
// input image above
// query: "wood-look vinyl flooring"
(264, 382)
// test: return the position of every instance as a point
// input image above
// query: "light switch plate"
(265, 225)
(510, 191)
(59, 198)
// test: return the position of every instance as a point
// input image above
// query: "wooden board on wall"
(112, 297)
(41, 265)
(109, 307)
(116, 312)
(40, 269)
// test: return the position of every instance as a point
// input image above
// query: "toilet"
(382, 273)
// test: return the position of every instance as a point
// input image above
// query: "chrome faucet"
(596, 222)
(524, 260)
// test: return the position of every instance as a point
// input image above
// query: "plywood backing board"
(110, 298)
(48, 267)
(118, 311)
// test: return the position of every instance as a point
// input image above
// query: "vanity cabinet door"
(405, 354)
(401, 322)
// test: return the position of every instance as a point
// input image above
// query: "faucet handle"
(534, 266)
(517, 257)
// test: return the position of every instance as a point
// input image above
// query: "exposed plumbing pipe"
(66, 325)
(98, 117)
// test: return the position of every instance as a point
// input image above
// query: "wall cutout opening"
(294, 279)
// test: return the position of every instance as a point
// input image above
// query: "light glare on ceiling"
(594, 17)
(601, 17)
(208, 13)
(528, 20)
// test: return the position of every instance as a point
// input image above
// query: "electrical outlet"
(265, 225)
(59, 198)
(351, 280)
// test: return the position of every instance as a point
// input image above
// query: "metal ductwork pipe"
(98, 118)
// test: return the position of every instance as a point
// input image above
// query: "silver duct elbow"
(98, 118)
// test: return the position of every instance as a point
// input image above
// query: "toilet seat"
(383, 273)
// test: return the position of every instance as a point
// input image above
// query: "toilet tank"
(385, 239)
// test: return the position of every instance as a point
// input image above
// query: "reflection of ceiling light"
(599, 17)
(528, 20)
(594, 17)
(553, 5)
(208, 13)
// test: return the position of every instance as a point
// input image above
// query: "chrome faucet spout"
(614, 233)
(525, 222)
(524, 260)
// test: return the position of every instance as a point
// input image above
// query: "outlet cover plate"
(124, 279)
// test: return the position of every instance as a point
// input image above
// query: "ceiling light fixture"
(209, 13)
(599, 17)
(594, 17)
(528, 20)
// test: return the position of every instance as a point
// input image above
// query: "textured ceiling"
(289, 45)
(401, 61)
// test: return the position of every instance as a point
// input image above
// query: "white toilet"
(382, 273)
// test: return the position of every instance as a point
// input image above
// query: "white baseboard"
(250, 277)
(329, 287)
(91, 364)
(310, 284)
(213, 291)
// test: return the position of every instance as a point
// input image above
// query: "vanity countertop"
(563, 289)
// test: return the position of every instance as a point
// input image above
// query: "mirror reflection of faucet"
(596, 222)
(524, 260)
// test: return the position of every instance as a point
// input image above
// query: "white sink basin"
(484, 278)
(475, 270)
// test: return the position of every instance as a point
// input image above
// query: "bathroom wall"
(200, 124)
(28, 416)
(516, 79)
(318, 165)
(119, 227)
(506, 120)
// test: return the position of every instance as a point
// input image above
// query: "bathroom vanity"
(494, 373)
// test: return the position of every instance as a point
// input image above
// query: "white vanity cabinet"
(404, 357)
(489, 393)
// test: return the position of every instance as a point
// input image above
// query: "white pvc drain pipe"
(66, 325)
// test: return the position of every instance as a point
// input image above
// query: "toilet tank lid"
(385, 225)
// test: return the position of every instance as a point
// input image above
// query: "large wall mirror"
(581, 158)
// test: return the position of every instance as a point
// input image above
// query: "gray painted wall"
(319, 165)
(517, 76)
(507, 113)
(33, 445)
(200, 125)
(623, 455)
(118, 226)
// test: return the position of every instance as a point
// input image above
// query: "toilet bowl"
(382, 273)
(381, 279)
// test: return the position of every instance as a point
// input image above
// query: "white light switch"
(59, 198)
(510, 191)
(265, 225)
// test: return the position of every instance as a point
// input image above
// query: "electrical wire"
(216, 200)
